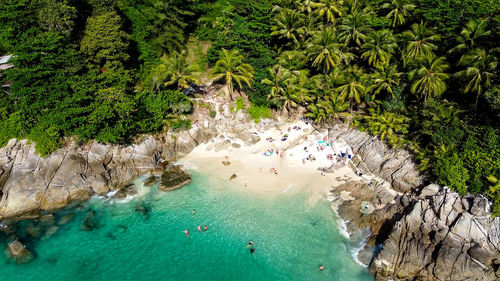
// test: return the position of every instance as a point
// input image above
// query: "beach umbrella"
(366, 207)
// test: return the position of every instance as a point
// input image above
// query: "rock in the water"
(17, 252)
(33, 230)
(150, 180)
(143, 209)
(174, 178)
(232, 177)
(128, 190)
(65, 219)
(90, 221)
(51, 231)
(226, 163)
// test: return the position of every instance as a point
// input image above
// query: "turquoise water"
(291, 239)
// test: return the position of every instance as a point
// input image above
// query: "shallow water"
(291, 239)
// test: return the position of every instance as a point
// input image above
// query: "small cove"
(292, 238)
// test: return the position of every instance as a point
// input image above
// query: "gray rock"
(17, 252)
(174, 178)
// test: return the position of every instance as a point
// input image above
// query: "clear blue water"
(291, 239)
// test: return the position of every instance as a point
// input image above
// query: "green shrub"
(257, 112)
(240, 104)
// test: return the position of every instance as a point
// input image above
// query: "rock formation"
(17, 252)
(426, 232)
(173, 178)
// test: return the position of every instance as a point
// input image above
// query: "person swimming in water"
(199, 228)
(250, 243)
(252, 250)
(186, 232)
(206, 227)
(321, 267)
(194, 212)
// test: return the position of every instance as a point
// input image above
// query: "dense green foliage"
(383, 65)
(422, 75)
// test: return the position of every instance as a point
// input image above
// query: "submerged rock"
(65, 219)
(232, 177)
(50, 232)
(174, 178)
(143, 209)
(90, 221)
(17, 252)
(33, 230)
(226, 163)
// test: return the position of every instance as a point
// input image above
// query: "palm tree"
(279, 77)
(428, 79)
(379, 47)
(282, 5)
(293, 60)
(289, 26)
(353, 87)
(384, 79)
(230, 67)
(388, 125)
(174, 70)
(328, 108)
(400, 10)
(480, 68)
(327, 9)
(473, 31)
(420, 42)
(324, 50)
(354, 28)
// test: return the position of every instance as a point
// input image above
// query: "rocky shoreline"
(418, 230)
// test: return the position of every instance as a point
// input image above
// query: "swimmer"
(199, 228)
(321, 267)
(252, 250)
(206, 227)
(186, 232)
(194, 212)
(250, 243)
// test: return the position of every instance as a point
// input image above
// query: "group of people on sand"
(205, 228)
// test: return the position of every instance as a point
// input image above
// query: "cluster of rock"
(31, 184)
(425, 232)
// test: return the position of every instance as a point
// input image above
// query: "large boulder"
(18, 253)
(175, 177)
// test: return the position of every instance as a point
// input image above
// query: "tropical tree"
(494, 192)
(428, 79)
(474, 31)
(480, 68)
(57, 16)
(387, 125)
(230, 67)
(327, 9)
(384, 79)
(279, 77)
(354, 28)
(400, 11)
(420, 42)
(379, 47)
(174, 70)
(324, 50)
(330, 107)
(353, 87)
(289, 26)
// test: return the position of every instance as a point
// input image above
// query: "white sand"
(253, 168)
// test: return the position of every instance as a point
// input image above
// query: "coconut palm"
(428, 79)
(324, 50)
(354, 28)
(279, 77)
(400, 11)
(328, 108)
(174, 70)
(387, 125)
(384, 79)
(353, 87)
(293, 60)
(480, 68)
(282, 5)
(379, 47)
(289, 26)
(327, 9)
(473, 31)
(420, 42)
(230, 67)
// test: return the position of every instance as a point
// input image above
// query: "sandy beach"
(288, 158)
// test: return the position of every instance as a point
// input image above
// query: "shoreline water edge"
(411, 228)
